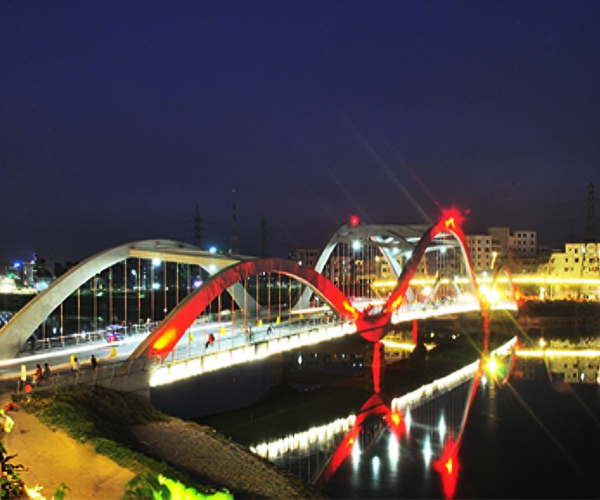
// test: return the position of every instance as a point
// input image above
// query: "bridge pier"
(226, 389)
(137, 382)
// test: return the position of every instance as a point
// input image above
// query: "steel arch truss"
(448, 225)
(166, 336)
(24, 323)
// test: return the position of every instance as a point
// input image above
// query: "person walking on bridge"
(93, 362)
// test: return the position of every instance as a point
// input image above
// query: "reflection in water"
(448, 466)
(553, 455)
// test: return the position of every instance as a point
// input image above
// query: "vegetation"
(11, 484)
(103, 417)
(162, 488)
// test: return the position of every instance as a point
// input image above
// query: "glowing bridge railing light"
(179, 370)
(469, 304)
(517, 278)
(302, 440)
(445, 384)
(553, 352)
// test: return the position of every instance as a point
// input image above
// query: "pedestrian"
(210, 341)
(38, 374)
(75, 366)
(93, 362)
(250, 334)
(46, 371)
(269, 329)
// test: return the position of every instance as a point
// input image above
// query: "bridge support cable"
(164, 338)
(91, 289)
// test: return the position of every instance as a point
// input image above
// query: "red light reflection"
(448, 466)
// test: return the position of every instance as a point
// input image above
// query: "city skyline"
(118, 119)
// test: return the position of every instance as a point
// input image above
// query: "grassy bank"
(96, 415)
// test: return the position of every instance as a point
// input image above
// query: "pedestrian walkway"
(53, 458)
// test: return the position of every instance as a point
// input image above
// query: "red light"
(452, 217)
(354, 220)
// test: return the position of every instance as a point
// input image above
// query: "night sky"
(117, 118)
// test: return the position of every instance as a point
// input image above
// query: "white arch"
(380, 235)
(20, 327)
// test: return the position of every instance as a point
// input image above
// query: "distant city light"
(156, 286)
(212, 249)
(17, 265)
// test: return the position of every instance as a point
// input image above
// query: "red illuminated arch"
(449, 225)
(164, 338)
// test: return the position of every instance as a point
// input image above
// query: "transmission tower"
(590, 234)
(264, 238)
(197, 229)
(234, 248)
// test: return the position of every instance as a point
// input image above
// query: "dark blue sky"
(117, 118)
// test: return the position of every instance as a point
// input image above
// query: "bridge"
(172, 311)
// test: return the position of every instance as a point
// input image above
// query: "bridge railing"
(56, 343)
(239, 332)
(290, 338)
(173, 368)
(84, 376)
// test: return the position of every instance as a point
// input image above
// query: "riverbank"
(102, 439)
